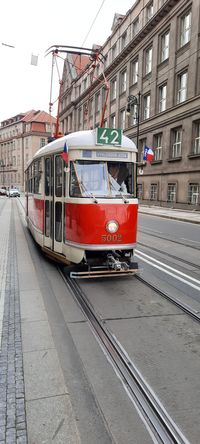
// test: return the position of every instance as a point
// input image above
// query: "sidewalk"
(35, 405)
(171, 213)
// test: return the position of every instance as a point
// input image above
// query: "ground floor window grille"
(171, 192)
(193, 193)
(154, 191)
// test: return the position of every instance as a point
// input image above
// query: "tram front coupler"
(114, 264)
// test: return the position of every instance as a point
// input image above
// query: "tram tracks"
(169, 239)
(172, 256)
(159, 423)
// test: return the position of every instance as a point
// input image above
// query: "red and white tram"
(81, 212)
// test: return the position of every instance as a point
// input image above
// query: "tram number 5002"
(111, 237)
(109, 136)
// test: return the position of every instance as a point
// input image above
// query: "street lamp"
(133, 108)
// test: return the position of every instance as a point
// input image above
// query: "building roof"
(38, 116)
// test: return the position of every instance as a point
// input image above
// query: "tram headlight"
(112, 226)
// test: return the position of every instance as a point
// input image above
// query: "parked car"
(13, 192)
(3, 192)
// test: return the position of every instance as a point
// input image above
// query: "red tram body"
(78, 212)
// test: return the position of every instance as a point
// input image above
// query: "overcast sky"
(31, 27)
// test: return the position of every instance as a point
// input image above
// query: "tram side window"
(47, 176)
(37, 177)
(30, 179)
(58, 176)
(74, 184)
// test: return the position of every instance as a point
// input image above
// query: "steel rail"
(175, 241)
(154, 415)
(164, 253)
(184, 307)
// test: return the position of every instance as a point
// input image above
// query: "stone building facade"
(151, 60)
(20, 137)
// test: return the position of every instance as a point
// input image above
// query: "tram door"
(58, 203)
(48, 202)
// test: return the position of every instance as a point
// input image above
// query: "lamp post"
(133, 105)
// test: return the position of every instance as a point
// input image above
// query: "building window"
(164, 55)
(185, 28)
(91, 107)
(134, 71)
(97, 103)
(123, 80)
(113, 89)
(84, 84)
(146, 104)
(134, 114)
(162, 98)
(171, 192)
(114, 52)
(140, 191)
(113, 121)
(148, 60)
(193, 193)
(176, 146)
(122, 119)
(182, 87)
(42, 142)
(135, 27)
(158, 147)
(154, 191)
(142, 144)
(124, 40)
(79, 117)
(196, 145)
(149, 11)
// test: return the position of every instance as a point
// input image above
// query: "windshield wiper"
(90, 194)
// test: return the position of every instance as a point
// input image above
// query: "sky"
(32, 27)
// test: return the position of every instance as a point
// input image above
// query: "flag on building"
(64, 154)
(148, 154)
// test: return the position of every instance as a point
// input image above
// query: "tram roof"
(81, 139)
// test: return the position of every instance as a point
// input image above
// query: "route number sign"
(109, 136)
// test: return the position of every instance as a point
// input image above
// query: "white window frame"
(154, 191)
(185, 31)
(148, 60)
(123, 81)
(182, 81)
(135, 27)
(149, 11)
(146, 106)
(164, 50)
(193, 193)
(135, 67)
(123, 40)
(162, 98)
(171, 192)
(158, 147)
(122, 119)
(113, 89)
(176, 146)
(196, 147)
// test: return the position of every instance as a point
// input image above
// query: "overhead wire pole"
(55, 50)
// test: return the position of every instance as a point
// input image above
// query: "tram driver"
(117, 175)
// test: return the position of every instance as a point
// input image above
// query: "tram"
(83, 210)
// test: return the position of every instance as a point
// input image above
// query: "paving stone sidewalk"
(12, 393)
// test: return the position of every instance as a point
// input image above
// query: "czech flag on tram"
(64, 154)
(148, 154)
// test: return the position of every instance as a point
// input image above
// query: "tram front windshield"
(102, 179)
